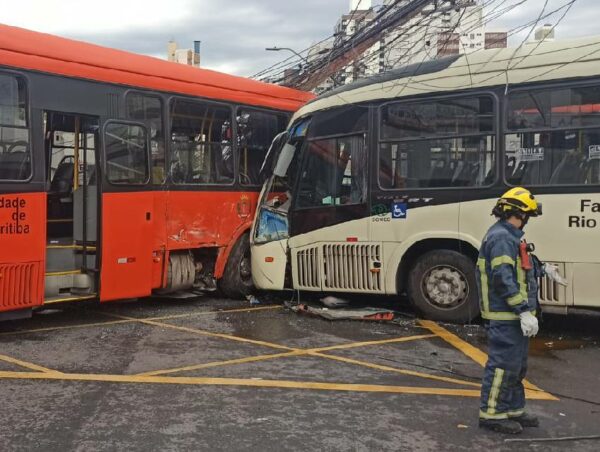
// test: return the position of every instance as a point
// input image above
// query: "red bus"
(123, 176)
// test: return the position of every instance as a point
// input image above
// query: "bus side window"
(438, 143)
(15, 152)
(255, 132)
(126, 154)
(148, 109)
(201, 143)
(553, 137)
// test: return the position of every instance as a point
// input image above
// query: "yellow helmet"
(517, 200)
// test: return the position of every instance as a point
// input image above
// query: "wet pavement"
(213, 374)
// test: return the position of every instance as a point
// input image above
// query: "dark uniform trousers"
(502, 392)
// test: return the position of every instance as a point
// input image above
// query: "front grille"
(352, 267)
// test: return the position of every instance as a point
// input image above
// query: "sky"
(235, 33)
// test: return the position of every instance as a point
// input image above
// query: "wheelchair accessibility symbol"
(399, 210)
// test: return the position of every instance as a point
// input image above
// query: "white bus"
(386, 186)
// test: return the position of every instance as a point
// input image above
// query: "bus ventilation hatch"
(308, 268)
(20, 285)
(550, 292)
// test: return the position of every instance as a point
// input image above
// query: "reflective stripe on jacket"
(505, 288)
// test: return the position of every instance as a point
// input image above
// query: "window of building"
(148, 109)
(446, 143)
(255, 132)
(126, 154)
(554, 137)
(15, 153)
(333, 172)
(201, 143)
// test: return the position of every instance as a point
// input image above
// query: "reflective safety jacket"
(505, 288)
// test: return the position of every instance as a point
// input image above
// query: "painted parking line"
(317, 352)
(411, 373)
(242, 382)
(27, 365)
(134, 320)
(476, 354)
(294, 352)
(158, 376)
(246, 382)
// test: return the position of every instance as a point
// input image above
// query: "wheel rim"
(445, 287)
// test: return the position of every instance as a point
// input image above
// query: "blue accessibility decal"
(399, 210)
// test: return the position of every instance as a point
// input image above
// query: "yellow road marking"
(294, 352)
(117, 322)
(27, 365)
(378, 342)
(396, 370)
(248, 382)
(225, 311)
(316, 352)
(474, 353)
(249, 359)
(207, 333)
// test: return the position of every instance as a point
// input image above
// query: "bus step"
(75, 247)
(69, 297)
(64, 261)
(68, 282)
(63, 273)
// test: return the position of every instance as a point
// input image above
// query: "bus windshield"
(277, 195)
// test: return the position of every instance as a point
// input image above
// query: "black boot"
(527, 420)
(501, 425)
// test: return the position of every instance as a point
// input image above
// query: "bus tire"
(236, 281)
(442, 286)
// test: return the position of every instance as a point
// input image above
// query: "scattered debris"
(463, 426)
(562, 414)
(334, 302)
(253, 300)
(346, 314)
(48, 311)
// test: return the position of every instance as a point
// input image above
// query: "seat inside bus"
(15, 165)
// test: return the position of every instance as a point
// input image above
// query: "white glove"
(529, 324)
(553, 273)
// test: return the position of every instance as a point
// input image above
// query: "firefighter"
(508, 293)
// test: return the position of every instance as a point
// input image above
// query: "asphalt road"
(212, 374)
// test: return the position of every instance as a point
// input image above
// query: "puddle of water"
(543, 347)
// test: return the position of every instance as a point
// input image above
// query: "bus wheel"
(237, 279)
(441, 286)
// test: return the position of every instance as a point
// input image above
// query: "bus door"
(127, 213)
(71, 142)
(329, 222)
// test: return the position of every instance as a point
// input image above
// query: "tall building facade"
(184, 56)
(435, 32)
